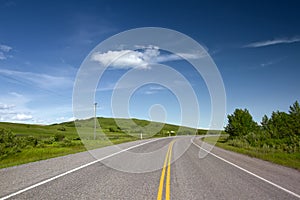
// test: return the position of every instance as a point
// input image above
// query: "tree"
(295, 109)
(280, 125)
(240, 123)
(295, 117)
(265, 122)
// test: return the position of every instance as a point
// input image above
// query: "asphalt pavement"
(167, 168)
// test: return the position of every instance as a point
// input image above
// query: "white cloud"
(13, 108)
(6, 106)
(124, 59)
(273, 42)
(19, 108)
(121, 59)
(21, 117)
(5, 48)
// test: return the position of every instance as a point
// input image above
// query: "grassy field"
(41, 142)
(279, 157)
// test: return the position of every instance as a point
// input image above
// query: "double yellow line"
(168, 178)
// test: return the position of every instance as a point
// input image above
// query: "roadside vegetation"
(23, 143)
(276, 139)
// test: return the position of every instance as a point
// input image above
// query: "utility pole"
(95, 120)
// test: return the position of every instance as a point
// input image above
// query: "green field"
(37, 142)
(276, 156)
(27, 143)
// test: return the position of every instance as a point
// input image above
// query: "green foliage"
(240, 123)
(67, 143)
(48, 140)
(9, 144)
(295, 117)
(280, 132)
(279, 126)
(114, 129)
(61, 128)
(201, 132)
(30, 141)
(58, 137)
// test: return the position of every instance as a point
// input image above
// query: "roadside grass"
(36, 154)
(63, 139)
(57, 149)
(272, 155)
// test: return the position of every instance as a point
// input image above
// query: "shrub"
(31, 141)
(49, 140)
(113, 129)
(61, 128)
(66, 142)
(9, 144)
(58, 137)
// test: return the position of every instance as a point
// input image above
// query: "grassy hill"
(23, 143)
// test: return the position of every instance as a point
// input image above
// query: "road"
(168, 168)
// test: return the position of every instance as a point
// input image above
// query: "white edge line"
(75, 169)
(251, 173)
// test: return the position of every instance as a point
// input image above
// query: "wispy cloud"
(139, 59)
(153, 90)
(272, 42)
(267, 64)
(42, 80)
(4, 49)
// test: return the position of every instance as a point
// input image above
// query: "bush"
(66, 142)
(61, 128)
(9, 144)
(49, 140)
(58, 137)
(31, 141)
(113, 129)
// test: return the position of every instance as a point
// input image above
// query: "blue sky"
(255, 45)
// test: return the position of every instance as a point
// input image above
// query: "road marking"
(75, 169)
(251, 173)
(162, 177)
(167, 164)
(169, 174)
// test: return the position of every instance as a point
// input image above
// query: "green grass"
(111, 134)
(54, 150)
(35, 154)
(279, 157)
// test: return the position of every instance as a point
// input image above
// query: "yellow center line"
(162, 177)
(169, 174)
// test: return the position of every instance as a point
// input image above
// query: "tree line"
(280, 131)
